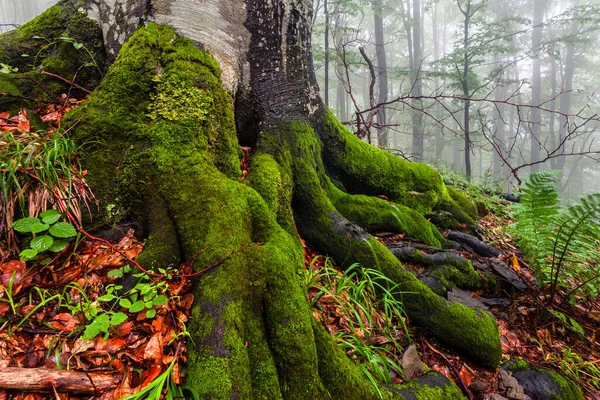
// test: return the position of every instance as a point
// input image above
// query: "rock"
(496, 302)
(412, 364)
(547, 385)
(479, 386)
(514, 391)
(477, 245)
(506, 275)
(460, 296)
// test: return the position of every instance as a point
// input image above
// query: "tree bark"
(416, 88)
(162, 148)
(535, 125)
(382, 131)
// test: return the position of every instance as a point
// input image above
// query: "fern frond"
(563, 246)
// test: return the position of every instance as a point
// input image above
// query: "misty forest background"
(492, 89)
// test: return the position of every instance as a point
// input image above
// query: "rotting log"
(49, 380)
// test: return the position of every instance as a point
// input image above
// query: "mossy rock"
(542, 384)
(61, 41)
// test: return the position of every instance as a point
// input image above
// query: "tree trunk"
(416, 89)
(161, 146)
(326, 67)
(464, 80)
(382, 131)
(567, 93)
(535, 126)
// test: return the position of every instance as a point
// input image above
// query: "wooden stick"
(66, 81)
(48, 380)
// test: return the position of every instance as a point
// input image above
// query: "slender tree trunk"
(340, 35)
(464, 80)
(416, 89)
(326, 11)
(567, 95)
(382, 131)
(535, 125)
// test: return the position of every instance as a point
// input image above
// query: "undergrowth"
(361, 310)
(562, 245)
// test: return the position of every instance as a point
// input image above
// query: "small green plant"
(7, 69)
(562, 245)
(576, 368)
(164, 383)
(143, 297)
(64, 39)
(48, 233)
(37, 170)
(368, 302)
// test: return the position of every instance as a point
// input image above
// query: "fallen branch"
(73, 84)
(16, 96)
(47, 380)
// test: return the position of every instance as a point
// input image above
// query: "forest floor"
(78, 311)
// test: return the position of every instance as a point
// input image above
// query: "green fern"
(562, 245)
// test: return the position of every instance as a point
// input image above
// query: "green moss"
(42, 41)
(465, 204)
(569, 390)
(175, 100)
(364, 169)
(274, 184)
(518, 365)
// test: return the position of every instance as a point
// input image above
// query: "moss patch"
(61, 41)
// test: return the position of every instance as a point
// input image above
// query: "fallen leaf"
(65, 322)
(515, 263)
(154, 348)
(465, 376)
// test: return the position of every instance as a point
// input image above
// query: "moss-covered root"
(377, 215)
(295, 144)
(361, 168)
(177, 173)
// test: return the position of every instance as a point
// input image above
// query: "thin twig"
(66, 81)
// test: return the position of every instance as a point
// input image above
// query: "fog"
(17, 12)
(492, 89)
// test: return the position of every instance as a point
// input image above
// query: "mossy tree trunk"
(162, 137)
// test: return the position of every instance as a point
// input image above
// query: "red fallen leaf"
(112, 345)
(4, 114)
(26, 309)
(23, 119)
(18, 268)
(52, 117)
(65, 322)
(123, 329)
(187, 301)
(465, 376)
(122, 390)
(154, 348)
(158, 324)
(4, 307)
(151, 374)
